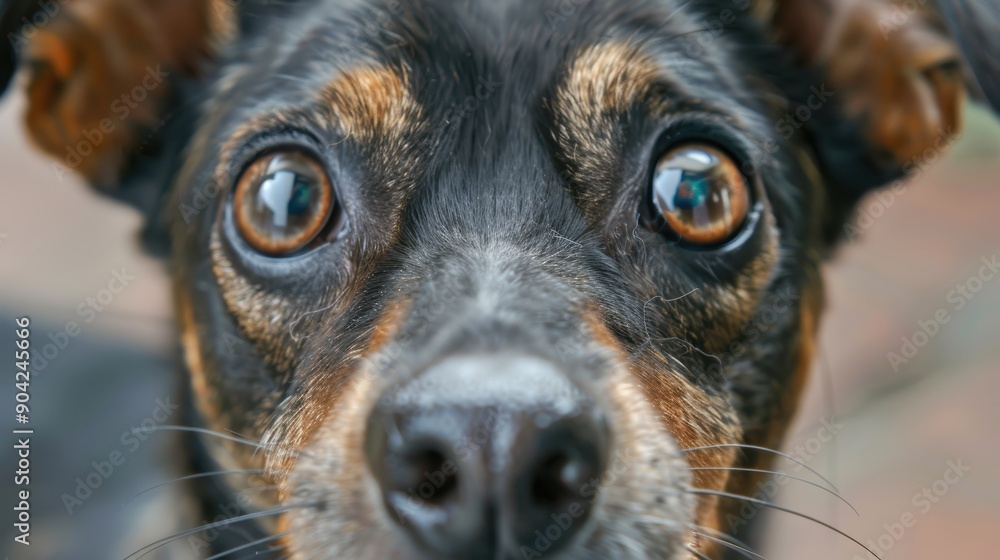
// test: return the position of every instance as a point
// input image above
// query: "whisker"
(220, 435)
(698, 554)
(250, 545)
(646, 321)
(205, 431)
(165, 541)
(719, 534)
(786, 475)
(743, 551)
(765, 449)
(786, 510)
(294, 324)
(191, 477)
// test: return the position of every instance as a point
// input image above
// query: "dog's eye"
(282, 202)
(699, 193)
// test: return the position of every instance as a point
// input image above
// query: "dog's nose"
(479, 456)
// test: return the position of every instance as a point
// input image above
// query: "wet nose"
(480, 455)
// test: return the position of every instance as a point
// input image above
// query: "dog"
(510, 280)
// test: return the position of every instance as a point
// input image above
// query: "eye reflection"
(282, 202)
(700, 194)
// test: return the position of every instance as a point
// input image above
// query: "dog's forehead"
(472, 79)
(524, 33)
(509, 51)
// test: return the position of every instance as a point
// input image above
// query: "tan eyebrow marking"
(375, 109)
(607, 77)
(373, 102)
(601, 83)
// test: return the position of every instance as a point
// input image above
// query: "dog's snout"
(479, 455)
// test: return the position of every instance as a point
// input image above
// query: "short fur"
(492, 159)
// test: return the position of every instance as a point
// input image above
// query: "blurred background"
(910, 442)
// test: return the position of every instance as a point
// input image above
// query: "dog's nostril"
(552, 481)
(559, 479)
(427, 473)
(547, 487)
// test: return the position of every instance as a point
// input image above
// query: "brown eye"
(700, 194)
(282, 202)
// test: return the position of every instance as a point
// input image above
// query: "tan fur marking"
(696, 420)
(191, 345)
(222, 20)
(601, 83)
(295, 428)
(388, 325)
(264, 316)
(693, 419)
(609, 77)
(230, 455)
(375, 110)
(372, 102)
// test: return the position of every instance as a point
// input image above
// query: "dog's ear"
(897, 73)
(110, 84)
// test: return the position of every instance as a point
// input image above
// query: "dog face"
(496, 326)
(519, 279)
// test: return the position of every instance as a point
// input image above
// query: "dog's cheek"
(335, 507)
(316, 442)
(674, 424)
(769, 431)
(700, 422)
